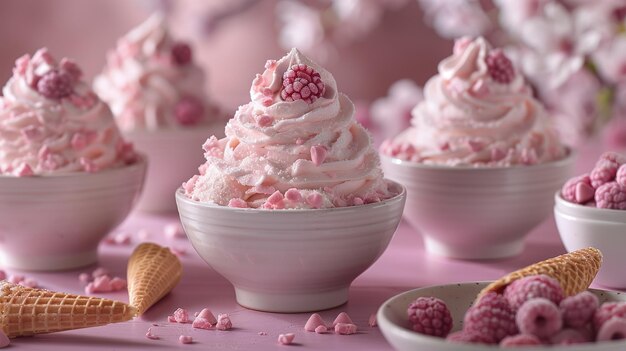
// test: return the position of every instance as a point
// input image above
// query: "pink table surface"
(402, 267)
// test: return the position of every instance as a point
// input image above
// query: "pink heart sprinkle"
(318, 154)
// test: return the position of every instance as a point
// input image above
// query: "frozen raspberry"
(181, 53)
(188, 111)
(469, 337)
(612, 157)
(540, 317)
(569, 336)
(500, 67)
(578, 189)
(604, 172)
(430, 316)
(302, 82)
(520, 340)
(55, 85)
(613, 329)
(531, 287)
(611, 195)
(578, 310)
(607, 311)
(491, 316)
(620, 177)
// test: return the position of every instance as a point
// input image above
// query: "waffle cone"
(153, 271)
(28, 311)
(575, 271)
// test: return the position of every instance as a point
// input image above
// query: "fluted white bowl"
(394, 323)
(477, 212)
(291, 260)
(56, 222)
(583, 226)
(173, 155)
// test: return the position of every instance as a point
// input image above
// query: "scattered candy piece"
(321, 329)
(286, 339)
(151, 336)
(345, 328)
(185, 339)
(84, 277)
(181, 315)
(372, 320)
(174, 230)
(208, 315)
(314, 321)
(223, 322)
(342, 318)
(171, 319)
(201, 323)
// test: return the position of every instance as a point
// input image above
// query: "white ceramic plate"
(394, 324)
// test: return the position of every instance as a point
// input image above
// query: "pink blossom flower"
(392, 114)
(358, 17)
(611, 60)
(300, 26)
(456, 18)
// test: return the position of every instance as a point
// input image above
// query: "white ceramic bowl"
(394, 324)
(476, 213)
(583, 226)
(291, 260)
(173, 155)
(56, 222)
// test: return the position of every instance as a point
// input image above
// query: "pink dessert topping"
(181, 53)
(314, 321)
(151, 336)
(302, 82)
(286, 339)
(500, 67)
(321, 329)
(56, 84)
(318, 154)
(189, 111)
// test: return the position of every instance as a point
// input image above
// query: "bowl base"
(291, 302)
(483, 252)
(49, 263)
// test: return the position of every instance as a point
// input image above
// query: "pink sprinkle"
(201, 323)
(99, 272)
(171, 319)
(314, 321)
(584, 192)
(32, 133)
(23, 170)
(342, 318)
(318, 154)
(497, 154)
(174, 230)
(151, 336)
(181, 315)
(475, 146)
(185, 339)
(208, 315)
(223, 322)
(345, 328)
(357, 201)
(293, 195)
(264, 121)
(321, 329)
(15, 278)
(372, 320)
(314, 200)
(84, 278)
(237, 203)
(286, 339)
(275, 198)
(267, 102)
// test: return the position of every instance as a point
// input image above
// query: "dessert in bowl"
(480, 161)
(67, 177)
(156, 93)
(291, 205)
(589, 211)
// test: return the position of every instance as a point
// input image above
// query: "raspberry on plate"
(607, 311)
(500, 67)
(539, 317)
(430, 316)
(578, 310)
(613, 329)
(524, 289)
(491, 316)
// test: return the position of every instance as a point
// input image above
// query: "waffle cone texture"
(575, 271)
(27, 311)
(153, 271)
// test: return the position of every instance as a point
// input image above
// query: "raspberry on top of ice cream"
(151, 82)
(51, 121)
(477, 111)
(295, 145)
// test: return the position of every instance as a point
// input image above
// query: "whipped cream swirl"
(150, 81)
(477, 111)
(290, 154)
(51, 122)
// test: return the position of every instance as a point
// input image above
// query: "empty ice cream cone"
(27, 311)
(153, 271)
(575, 271)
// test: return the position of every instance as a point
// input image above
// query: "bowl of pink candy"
(590, 210)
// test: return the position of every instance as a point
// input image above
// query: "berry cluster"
(530, 311)
(301, 82)
(603, 187)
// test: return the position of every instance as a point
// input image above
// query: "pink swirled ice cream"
(477, 111)
(51, 122)
(151, 82)
(296, 144)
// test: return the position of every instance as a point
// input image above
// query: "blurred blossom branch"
(572, 51)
